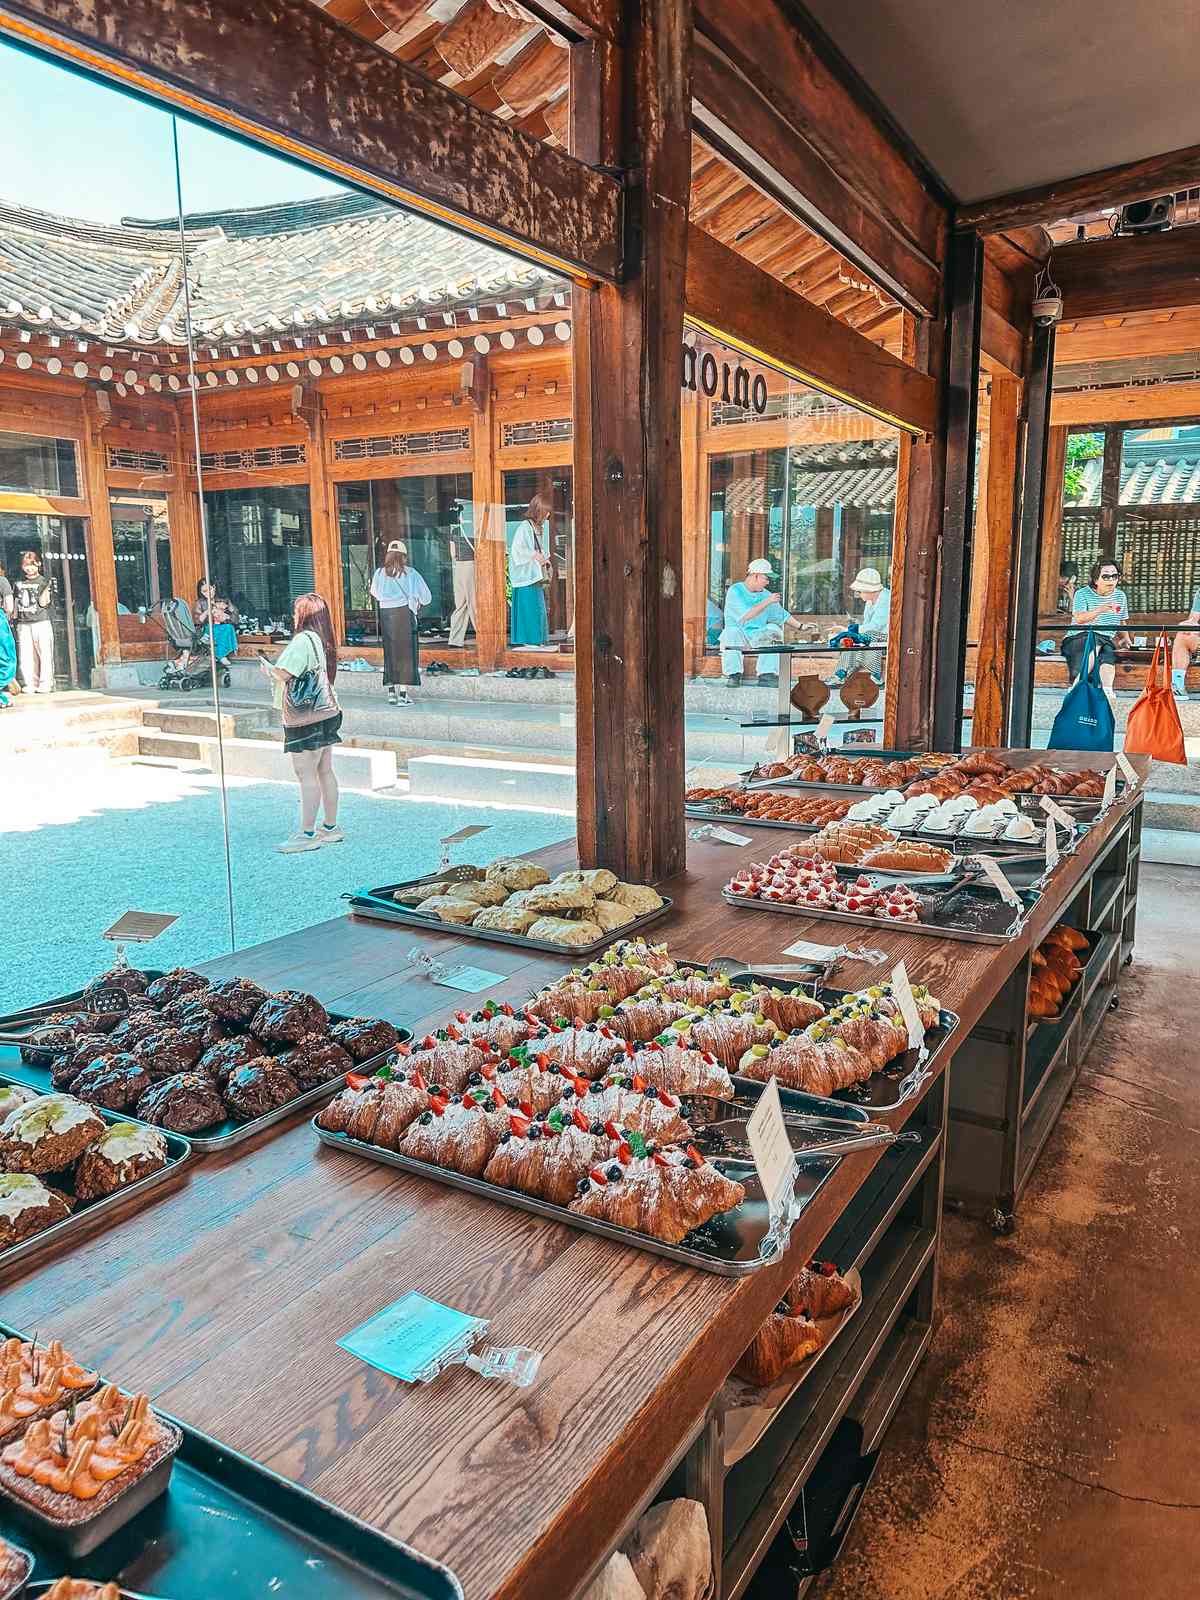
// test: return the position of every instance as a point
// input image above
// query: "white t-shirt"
(524, 567)
(407, 588)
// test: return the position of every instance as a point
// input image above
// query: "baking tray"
(378, 903)
(37, 1076)
(995, 922)
(25, 1560)
(275, 1539)
(727, 1246)
(853, 753)
(179, 1151)
(1095, 942)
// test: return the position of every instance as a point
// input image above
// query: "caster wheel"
(226, 680)
(186, 687)
(1128, 961)
(1115, 1003)
(1002, 1223)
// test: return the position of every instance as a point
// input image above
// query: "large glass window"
(260, 550)
(31, 464)
(434, 517)
(60, 544)
(141, 550)
(539, 530)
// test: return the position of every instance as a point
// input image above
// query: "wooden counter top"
(226, 1298)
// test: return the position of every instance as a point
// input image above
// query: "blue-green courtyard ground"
(79, 848)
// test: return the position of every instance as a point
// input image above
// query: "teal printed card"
(407, 1337)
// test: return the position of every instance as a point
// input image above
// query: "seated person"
(1100, 604)
(753, 618)
(869, 587)
(219, 616)
(713, 621)
(1181, 650)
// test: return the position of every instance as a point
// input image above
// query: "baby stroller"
(175, 618)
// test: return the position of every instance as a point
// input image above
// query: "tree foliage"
(1081, 447)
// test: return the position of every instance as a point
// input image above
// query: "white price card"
(1110, 786)
(1053, 809)
(824, 729)
(727, 836)
(991, 871)
(471, 980)
(1127, 767)
(1051, 845)
(902, 991)
(808, 950)
(771, 1148)
(465, 833)
(138, 927)
(779, 743)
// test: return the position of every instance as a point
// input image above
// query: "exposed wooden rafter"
(1106, 277)
(1072, 197)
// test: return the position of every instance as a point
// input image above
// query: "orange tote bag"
(1154, 728)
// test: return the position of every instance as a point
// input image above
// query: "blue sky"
(81, 148)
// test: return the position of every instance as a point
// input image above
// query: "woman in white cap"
(400, 591)
(869, 587)
(753, 618)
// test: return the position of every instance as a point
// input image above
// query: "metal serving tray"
(849, 753)
(729, 1244)
(895, 1086)
(275, 1539)
(179, 1151)
(992, 920)
(378, 903)
(230, 1132)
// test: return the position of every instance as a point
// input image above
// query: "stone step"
(1176, 812)
(233, 723)
(265, 759)
(516, 783)
(114, 739)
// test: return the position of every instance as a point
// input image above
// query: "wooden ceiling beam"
(1160, 402)
(477, 35)
(533, 76)
(1071, 197)
(1154, 272)
(1166, 333)
(361, 113)
(741, 211)
(395, 15)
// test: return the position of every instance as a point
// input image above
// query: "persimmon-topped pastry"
(68, 1465)
(646, 1014)
(801, 1063)
(786, 1009)
(460, 1133)
(547, 1156)
(124, 1153)
(664, 1193)
(626, 1102)
(378, 1109)
(726, 1034)
(669, 1064)
(36, 1380)
(82, 1589)
(47, 1134)
(819, 1290)
(439, 1058)
(582, 1050)
(494, 1026)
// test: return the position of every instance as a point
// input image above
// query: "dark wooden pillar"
(1029, 541)
(629, 524)
(964, 293)
(1110, 492)
(995, 534)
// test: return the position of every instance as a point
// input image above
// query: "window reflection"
(38, 465)
(260, 551)
(434, 516)
(539, 528)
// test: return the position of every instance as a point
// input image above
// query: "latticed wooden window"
(1080, 539)
(1158, 549)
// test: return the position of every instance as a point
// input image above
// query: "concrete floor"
(1048, 1446)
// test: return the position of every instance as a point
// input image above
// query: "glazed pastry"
(258, 1089)
(625, 1103)
(169, 1051)
(315, 1060)
(286, 1017)
(787, 1009)
(27, 1206)
(219, 1061)
(670, 1065)
(128, 978)
(126, 1152)
(379, 1109)
(646, 1015)
(548, 1157)
(180, 980)
(907, 855)
(193, 1006)
(820, 1291)
(117, 1083)
(13, 1095)
(187, 1103)
(235, 1000)
(448, 1061)
(460, 1134)
(785, 1339)
(664, 1193)
(47, 1134)
(365, 1037)
(85, 1458)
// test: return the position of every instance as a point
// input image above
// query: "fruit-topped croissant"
(663, 1193)
(669, 1063)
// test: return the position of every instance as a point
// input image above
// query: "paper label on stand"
(1051, 845)
(1110, 786)
(1053, 809)
(470, 980)
(1127, 767)
(806, 950)
(903, 996)
(991, 871)
(138, 927)
(727, 836)
(778, 743)
(770, 1147)
(465, 833)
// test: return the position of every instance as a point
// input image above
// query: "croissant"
(460, 1135)
(379, 1112)
(786, 1009)
(450, 1062)
(492, 1026)
(696, 988)
(646, 1015)
(820, 1291)
(673, 1067)
(581, 1051)
(573, 1000)
(784, 1341)
(546, 1159)
(727, 1035)
(620, 979)
(652, 1112)
(667, 1194)
(814, 1067)
(977, 763)
(1043, 1001)
(1064, 935)
(912, 855)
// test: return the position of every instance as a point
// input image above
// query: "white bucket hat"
(868, 578)
(761, 565)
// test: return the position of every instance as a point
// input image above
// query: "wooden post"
(695, 532)
(629, 542)
(102, 564)
(991, 665)
(964, 291)
(1110, 492)
(1025, 582)
(326, 538)
(185, 514)
(491, 606)
(1052, 519)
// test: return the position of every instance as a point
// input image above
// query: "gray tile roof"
(1147, 483)
(263, 273)
(854, 472)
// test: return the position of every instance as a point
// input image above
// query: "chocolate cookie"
(259, 1088)
(219, 1061)
(169, 1051)
(285, 1018)
(236, 1000)
(192, 1007)
(127, 978)
(135, 1027)
(185, 1103)
(116, 1084)
(365, 1036)
(315, 1060)
(63, 1071)
(180, 980)
(89, 1047)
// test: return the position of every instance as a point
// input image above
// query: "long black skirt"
(399, 627)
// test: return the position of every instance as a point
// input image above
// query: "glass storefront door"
(62, 545)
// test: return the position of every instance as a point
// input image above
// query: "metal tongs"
(100, 1003)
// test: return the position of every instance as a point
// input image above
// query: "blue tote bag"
(1085, 718)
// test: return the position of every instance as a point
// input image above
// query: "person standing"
(753, 617)
(462, 568)
(308, 662)
(6, 594)
(1100, 604)
(400, 591)
(8, 657)
(32, 595)
(528, 571)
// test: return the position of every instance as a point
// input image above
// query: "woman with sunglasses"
(1100, 604)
